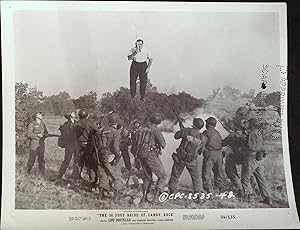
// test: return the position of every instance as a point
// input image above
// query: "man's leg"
(193, 168)
(147, 175)
(76, 162)
(218, 170)
(206, 173)
(103, 179)
(177, 170)
(259, 174)
(232, 173)
(147, 179)
(143, 80)
(126, 158)
(69, 150)
(249, 165)
(158, 169)
(116, 175)
(32, 156)
(133, 78)
(41, 158)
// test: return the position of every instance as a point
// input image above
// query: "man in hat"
(192, 141)
(252, 163)
(139, 68)
(124, 145)
(109, 156)
(37, 132)
(213, 158)
(84, 129)
(133, 136)
(70, 143)
(149, 144)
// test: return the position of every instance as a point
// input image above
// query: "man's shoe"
(156, 197)
(250, 198)
(268, 201)
(28, 172)
(144, 198)
(42, 173)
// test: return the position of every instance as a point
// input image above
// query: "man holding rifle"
(37, 132)
(192, 142)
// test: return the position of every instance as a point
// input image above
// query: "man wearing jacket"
(37, 132)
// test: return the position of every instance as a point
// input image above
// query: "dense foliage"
(29, 100)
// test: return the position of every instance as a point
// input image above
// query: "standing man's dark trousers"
(70, 150)
(212, 161)
(251, 166)
(138, 70)
(193, 169)
(78, 160)
(37, 149)
(126, 158)
(151, 163)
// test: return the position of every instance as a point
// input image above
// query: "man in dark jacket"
(69, 141)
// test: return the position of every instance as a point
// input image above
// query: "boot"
(28, 172)
(156, 196)
(145, 197)
(101, 193)
(42, 173)
(239, 193)
(268, 201)
(118, 195)
(250, 198)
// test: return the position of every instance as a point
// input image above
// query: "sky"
(195, 52)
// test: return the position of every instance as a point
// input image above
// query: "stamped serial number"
(73, 218)
(193, 196)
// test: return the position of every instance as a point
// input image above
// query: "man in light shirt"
(139, 67)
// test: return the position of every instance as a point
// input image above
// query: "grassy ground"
(35, 192)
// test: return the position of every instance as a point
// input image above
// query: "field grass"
(35, 192)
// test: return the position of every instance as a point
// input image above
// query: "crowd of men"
(99, 144)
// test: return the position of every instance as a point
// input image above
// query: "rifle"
(179, 120)
(95, 148)
(52, 135)
(103, 116)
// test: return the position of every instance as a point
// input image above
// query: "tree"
(87, 101)
(27, 101)
(58, 104)
(120, 102)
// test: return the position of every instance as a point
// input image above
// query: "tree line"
(29, 100)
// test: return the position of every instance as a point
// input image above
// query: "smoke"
(187, 119)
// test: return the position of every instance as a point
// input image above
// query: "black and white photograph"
(130, 115)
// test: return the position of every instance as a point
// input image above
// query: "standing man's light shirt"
(141, 56)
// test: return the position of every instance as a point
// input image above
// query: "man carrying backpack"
(109, 157)
(68, 141)
(192, 142)
(149, 143)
